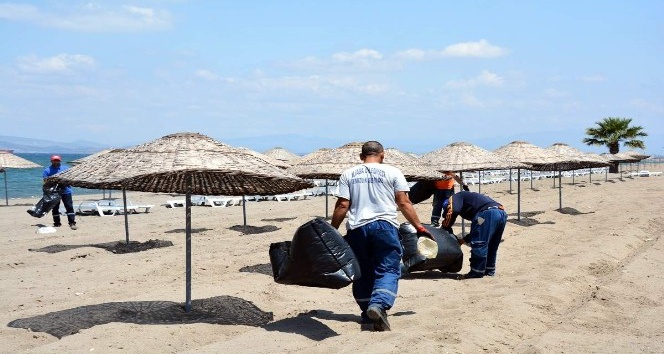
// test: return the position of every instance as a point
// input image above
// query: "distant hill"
(28, 145)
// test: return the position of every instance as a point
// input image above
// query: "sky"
(415, 75)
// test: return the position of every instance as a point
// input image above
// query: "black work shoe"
(57, 224)
(379, 316)
(470, 275)
(73, 226)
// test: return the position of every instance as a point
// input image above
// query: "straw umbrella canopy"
(187, 163)
(637, 155)
(538, 158)
(89, 157)
(267, 158)
(330, 163)
(282, 154)
(463, 156)
(574, 160)
(9, 160)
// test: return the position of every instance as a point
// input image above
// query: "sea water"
(27, 182)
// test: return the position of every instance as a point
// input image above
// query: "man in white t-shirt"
(370, 193)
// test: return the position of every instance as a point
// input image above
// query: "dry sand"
(588, 280)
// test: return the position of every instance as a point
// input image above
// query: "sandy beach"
(588, 279)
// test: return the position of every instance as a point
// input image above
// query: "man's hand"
(465, 188)
(422, 231)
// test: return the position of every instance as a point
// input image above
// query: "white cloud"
(90, 17)
(486, 78)
(206, 75)
(413, 54)
(595, 78)
(58, 63)
(361, 55)
(554, 93)
(642, 103)
(481, 49)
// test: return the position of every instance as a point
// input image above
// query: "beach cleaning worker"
(65, 193)
(488, 219)
(444, 188)
(370, 193)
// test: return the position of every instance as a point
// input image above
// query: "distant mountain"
(28, 145)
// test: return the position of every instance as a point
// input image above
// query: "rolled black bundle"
(318, 256)
(421, 191)
(448, 259)
(48, 201)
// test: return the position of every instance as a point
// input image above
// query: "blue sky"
(415, 75)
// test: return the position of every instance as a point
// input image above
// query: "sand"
(589, 279)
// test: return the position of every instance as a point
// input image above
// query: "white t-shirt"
(371, 187)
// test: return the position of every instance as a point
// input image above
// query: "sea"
(27, 182)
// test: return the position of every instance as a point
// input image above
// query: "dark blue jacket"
(467, 205)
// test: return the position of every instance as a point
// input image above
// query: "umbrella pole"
(6, 195)
(244, 210)
(187, 306)
(606, 174)
(124, 202)
(573, 173)
(479, 181)
(518, 194)
(531, 178)
(560, 191)
(590, 176)
(463, 224)
(326, 207)
(510, 181)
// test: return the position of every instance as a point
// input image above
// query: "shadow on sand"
(114, 247)
(224, 310)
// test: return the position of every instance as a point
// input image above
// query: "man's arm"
(409, 213)
(340, 209)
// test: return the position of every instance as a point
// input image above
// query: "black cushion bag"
(318, 256)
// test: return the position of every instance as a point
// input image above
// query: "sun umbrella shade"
(9, 160)
(90, 157)
(164, 166)
(282, 154)
(330, 163)
(619, 157)
(576, 159)
(637, 155)
(462, 156)
(268, 159)
(538, 158)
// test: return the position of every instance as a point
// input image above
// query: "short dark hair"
(372, 148)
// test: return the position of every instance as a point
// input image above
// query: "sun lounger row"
(110, 207)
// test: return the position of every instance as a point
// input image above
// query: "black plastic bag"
(421, 191)
(318, 256)
(48, 201)
(449, 257)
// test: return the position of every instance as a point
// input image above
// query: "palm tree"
(611, 132)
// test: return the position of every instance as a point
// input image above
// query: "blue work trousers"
(486, 232)
(378, 251)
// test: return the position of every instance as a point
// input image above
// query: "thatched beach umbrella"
(9, 160)
(539, 159)
(329, 164)
(186, 163)
(462, 157)
(282, 154)
(90, 157)
(619, 158)
(575, 159)
(637, 155)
